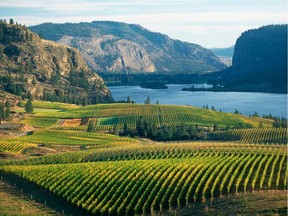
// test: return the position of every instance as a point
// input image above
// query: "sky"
(210, 23)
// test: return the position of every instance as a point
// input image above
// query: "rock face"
(260, 58)
(42, 67)
(118, 47)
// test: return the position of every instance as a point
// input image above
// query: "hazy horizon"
(214, 24)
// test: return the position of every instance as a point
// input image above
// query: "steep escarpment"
(115, 47)
(47, 70)
(260, 60)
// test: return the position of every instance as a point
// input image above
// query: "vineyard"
(108, 115)
(66, 137)
(10, 145)
(157, 185)
(254, 135)
(103, 174)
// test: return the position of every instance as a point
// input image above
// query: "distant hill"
(260, 60)
(120, 47)
(47, 70)
(225, 52)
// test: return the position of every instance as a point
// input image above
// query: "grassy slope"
(270, 202)
(12, 202)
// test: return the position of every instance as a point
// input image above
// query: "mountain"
(120, 47)
(46, 69)
(260, 60)
(224, 52)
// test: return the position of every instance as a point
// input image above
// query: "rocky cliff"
(117, 47)
(46, 69)
(260, 60)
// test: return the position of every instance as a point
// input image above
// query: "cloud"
(200, 21)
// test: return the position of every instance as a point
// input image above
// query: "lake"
(245, 102)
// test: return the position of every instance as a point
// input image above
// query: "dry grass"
(12, 202)
(71, 122)
(264, 202)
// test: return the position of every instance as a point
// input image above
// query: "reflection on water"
(246, 102)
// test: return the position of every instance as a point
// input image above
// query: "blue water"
(245, 102)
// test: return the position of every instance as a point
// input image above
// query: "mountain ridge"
(46, 69)
(259, 61)
(102, 45)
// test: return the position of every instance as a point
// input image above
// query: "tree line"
(147, 129)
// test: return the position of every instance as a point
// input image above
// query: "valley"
(95, 120)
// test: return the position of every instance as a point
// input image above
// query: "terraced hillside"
(98, 173)
(107, 115)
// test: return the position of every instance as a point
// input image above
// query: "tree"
(236, 111)
(128, 99)
(29, 96)
(29, 107)
(2, 113)
(213, 108)
(140, 127)
(34, 81)
(192, 131)
(255, 114)
(147, 101)
(261, 125)
(183, 133)
(11, 21)
(7, 109)
(115, 130)
(84, 101)
(215, 127)
(91, 126)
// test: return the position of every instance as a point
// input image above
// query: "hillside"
(117, 47)
(68, 170)
(225, 52)
(260, 60)
(47, 70)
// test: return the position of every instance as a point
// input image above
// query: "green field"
(103, 174)
(109, 114)
(151, 185)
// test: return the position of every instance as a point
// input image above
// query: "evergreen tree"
(215, 127)
(192, 131)
(152, 130)
(236, 111)
(2, 113)
(115, 129)
(91, 126)
(261, 125)
(84, 101)
(125, 130)
(29, 96)
(29, 107)
(128, 99)
(34, 81)
(183, 133)
(147, 101)
(7, 109)
(11, 21)
(140, 126)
